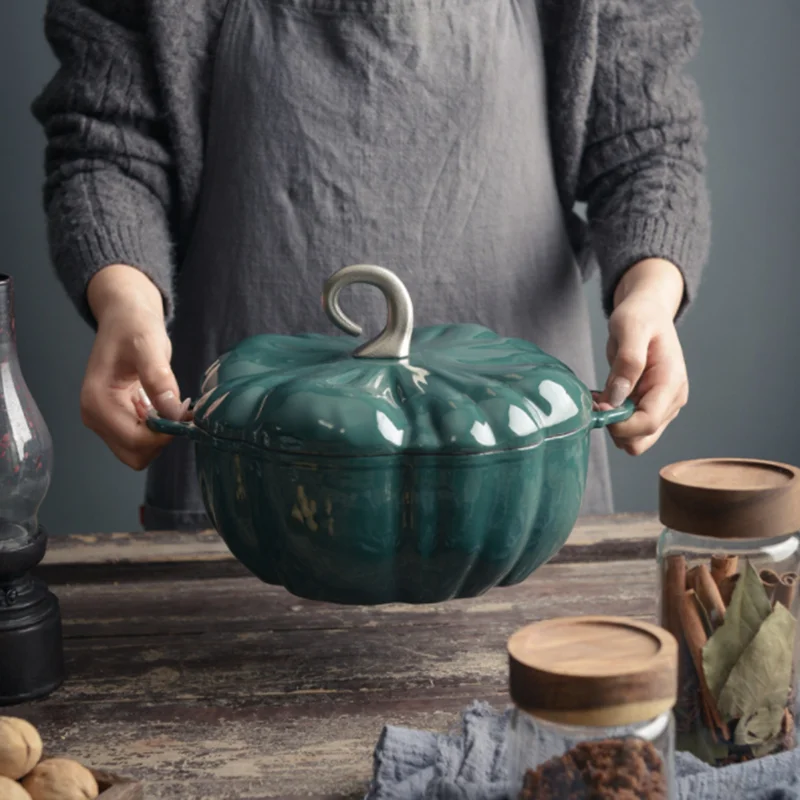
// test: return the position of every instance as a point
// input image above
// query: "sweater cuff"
(619, 247)
(79, 259)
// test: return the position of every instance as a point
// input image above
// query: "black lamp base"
(31, 648)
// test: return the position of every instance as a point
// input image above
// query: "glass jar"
(592, 716)
(729, 560)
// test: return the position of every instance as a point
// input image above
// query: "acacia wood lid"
(730, 498)
(593, 670)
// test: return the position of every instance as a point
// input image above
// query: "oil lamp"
(31, 652)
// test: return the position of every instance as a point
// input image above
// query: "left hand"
(645, 354)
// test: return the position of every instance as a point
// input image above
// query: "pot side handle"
(602, 419)
(169, 427)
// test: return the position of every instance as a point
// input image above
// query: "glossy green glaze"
(355, 479)
(463, 390)
(417, 529)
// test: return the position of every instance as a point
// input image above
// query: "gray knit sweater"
(126, 119)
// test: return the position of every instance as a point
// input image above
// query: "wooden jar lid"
(594, 671)
(730, 498)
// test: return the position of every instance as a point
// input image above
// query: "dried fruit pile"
(25, 776)
(613, 769)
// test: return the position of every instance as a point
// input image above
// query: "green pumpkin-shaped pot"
(425, 465)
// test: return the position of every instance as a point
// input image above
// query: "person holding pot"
(211, 162)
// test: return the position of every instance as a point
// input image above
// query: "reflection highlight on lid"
(388, 429)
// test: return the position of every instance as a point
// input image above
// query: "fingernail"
(168, 405)
(185, 407)
(145, 400)
(619, 391)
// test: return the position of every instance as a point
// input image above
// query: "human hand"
(645, 354)
(128, 365)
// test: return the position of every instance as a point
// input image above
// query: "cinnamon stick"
(770, 579)
(708, 626)
(708, 718)
(727, 587)
(786, 589)
(691, 577)
(787, 729)
(696, 638)
(723, 566)
(708, 594)
(672, 594)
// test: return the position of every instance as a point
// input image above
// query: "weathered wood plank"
(165, 546)
(238, 605)
(228, 760)
(137, 547)
(233, 689)
(172, 555)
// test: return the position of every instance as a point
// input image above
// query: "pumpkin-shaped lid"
(455, 389)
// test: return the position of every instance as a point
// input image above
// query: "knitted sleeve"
(108, 169)
(642, 170)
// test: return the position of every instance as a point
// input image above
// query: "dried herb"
(761, 678)
(762, 728)
(611, 769)
(749, 607)
(736, 694)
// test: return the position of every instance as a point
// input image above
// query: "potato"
(20, 747)
(11, 790)
(60, 779)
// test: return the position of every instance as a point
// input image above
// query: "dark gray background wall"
(742, 340)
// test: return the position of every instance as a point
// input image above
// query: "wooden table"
(187, 673)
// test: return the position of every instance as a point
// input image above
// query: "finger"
(659, 396)
(651, 412)
(156, 376)
(136, 459)
(113, 416)
(637, 447)
(641, 444)
(142, 405)
(135, 444)
(632, 338)
(126, 431)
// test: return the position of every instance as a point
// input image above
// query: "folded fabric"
(471, 765)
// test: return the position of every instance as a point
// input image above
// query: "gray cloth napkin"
(470, 765)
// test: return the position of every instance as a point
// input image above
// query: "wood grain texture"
(217, 688)
(730, 498)
(174, 555)
(593, 670)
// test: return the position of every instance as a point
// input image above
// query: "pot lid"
(730, 498)
(456, 389)
(593, 670)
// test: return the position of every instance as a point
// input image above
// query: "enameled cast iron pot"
(428, 464)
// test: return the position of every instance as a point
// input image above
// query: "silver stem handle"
(395, 339)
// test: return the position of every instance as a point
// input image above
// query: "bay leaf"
(766, 749)
(699, 743)
(762, 727)
(762, 675)
(749, 607)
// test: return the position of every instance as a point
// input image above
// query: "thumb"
(157, 379)
(630, 359)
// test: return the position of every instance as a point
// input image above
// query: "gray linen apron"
(406, 133)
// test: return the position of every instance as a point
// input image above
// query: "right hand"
(131, 353)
